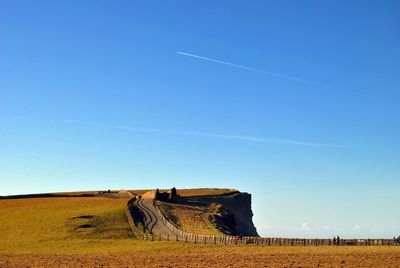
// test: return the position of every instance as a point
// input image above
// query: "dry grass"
(78, 193)
(189, 218)
(43, 224)
(189, 255)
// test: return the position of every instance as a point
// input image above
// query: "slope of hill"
(198, 219)
(44, 223)
(236, 204)
(223, 214)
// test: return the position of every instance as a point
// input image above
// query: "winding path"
(152, 218)
(157, 227)
(149, 218)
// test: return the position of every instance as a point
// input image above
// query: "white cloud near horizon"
(282, 76)
(211, 135)
(306, 227)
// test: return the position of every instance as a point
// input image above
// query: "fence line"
(212, 239)
(187, 237)
(136, 231)
(181, 235)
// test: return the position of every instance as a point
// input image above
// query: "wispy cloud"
(210, 135)
(282, 76)
(139, 129)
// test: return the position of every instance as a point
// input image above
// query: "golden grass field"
(45, 232)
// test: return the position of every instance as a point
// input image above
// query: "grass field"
(48, 232)
(172, 254)
(48, 224)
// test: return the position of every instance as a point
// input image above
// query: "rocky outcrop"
(237, 204)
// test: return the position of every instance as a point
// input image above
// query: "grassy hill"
(42, 224)
(68, 221)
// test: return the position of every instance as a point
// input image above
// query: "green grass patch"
(52, 224)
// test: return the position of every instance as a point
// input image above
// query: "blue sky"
(295, 102)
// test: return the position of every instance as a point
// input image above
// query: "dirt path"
(152, 218)
(156, 226)
(149, 219)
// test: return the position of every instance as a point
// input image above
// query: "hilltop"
(122, 193)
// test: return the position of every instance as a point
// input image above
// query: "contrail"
(264, 140)
(139, 129)
(210, 135)
(255, 70)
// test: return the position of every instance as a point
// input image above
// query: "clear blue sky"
(301, 109)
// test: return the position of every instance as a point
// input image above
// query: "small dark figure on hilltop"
(334, 240)
(172, 194)
(338, 240)
(396, 240)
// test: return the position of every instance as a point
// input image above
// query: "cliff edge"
(235, 203)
